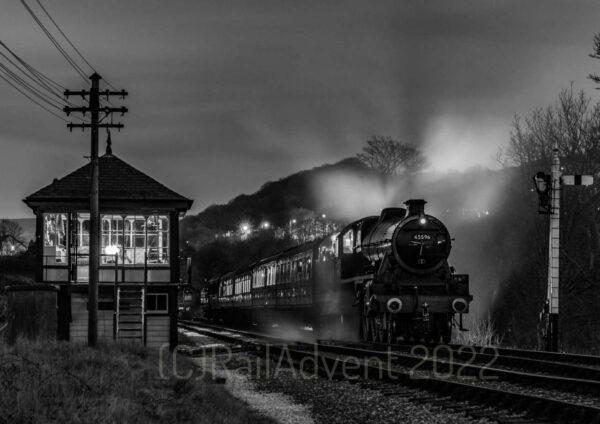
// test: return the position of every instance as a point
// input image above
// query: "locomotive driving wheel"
(384, 328)
(391, 329)
(366, 325)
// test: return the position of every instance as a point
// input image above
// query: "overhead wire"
(59, 46)
(41, 86)
(40, 76)
(33, 100)
(27, 86)
(16, 82)
(43, 81)
(56, 44)
(36, 79)
(70, 43)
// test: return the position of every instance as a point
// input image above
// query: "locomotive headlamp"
(459, 305)
(422, 220)
(394, 305)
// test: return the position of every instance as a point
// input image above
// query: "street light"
(245, 228)
(324, 226)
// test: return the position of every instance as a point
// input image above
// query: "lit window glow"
(111, 250)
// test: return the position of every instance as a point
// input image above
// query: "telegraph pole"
(94, 251)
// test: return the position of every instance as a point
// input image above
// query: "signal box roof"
(121, 186)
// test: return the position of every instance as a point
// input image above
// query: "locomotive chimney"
(415, 207)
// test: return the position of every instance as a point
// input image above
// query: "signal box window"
(55, 239)
(157, 302)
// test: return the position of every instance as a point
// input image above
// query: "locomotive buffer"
(548, 187)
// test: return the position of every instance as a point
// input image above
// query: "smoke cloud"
(467, 202)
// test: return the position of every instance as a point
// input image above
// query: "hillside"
(275, 202)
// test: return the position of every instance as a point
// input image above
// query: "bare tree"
(596, 55)
(390, 157)
(11, 234)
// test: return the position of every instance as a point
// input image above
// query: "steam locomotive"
(379, 279)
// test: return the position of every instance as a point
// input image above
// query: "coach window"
(272, 275)
(299, 270)
(157, 302)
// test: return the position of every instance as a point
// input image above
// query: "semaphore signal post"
(548, 188)
(94, 253)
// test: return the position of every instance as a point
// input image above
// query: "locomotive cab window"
(348, 242)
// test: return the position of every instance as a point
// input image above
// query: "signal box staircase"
(130, 314)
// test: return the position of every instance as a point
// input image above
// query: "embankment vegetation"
(115, 383)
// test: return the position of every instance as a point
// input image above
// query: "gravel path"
(275, 405)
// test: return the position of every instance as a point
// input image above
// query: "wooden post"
(94, 258)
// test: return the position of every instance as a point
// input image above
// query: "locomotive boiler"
(379, 279)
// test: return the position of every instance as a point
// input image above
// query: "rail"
(544, 404)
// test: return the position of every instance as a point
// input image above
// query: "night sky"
(226, 95)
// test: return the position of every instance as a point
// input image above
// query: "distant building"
(139, 253)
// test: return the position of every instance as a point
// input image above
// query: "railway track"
(546, 363)
(503, 395)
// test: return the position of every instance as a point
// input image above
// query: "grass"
(115, 383)
(482, 332)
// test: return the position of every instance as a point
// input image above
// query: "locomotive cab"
(350, 240)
